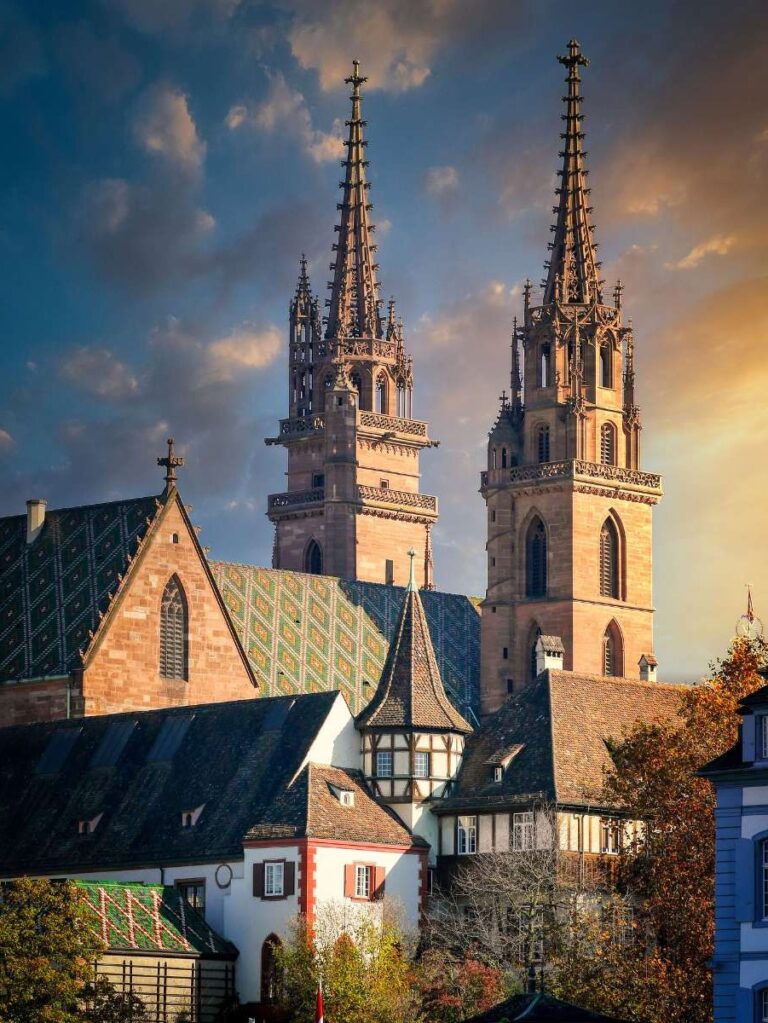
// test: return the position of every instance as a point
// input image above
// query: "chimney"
(648, 664)
(35, 517)
(549, 654)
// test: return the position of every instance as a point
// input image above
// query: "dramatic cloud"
(97, 371)
(441, 181)
(718, 246)
(244, 349)
(164, 126)
(6, 441)
(285, 110)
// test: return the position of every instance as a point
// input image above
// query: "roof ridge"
(556, 673)
(96, 504)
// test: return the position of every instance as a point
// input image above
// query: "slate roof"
(150, 918)
(306, 633)
(540, 1007)
(54, 590)
(563, 723)
(233, 758)
(411, 694)
(310, 808)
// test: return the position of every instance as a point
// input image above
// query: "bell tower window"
(606, 376)
(381, 394)
(313, 558)
(609, 560)
(536, 560)
(608, 444)
(174, 629)
(613, 654)
(542, 443)
(545, 368)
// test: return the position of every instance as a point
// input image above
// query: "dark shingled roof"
(234, 759)
(310, 808)
(540, 1007)
(149, 918)
(410, 693)
(564, 723)
(54, 590)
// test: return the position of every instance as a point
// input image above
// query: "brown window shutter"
(289, 879)
(258, 880)
(378, 883)
(349, 880)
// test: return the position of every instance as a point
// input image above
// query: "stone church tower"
(352, 506)
(569, 511)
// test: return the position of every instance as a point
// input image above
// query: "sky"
(164, 165)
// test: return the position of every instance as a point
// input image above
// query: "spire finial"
(411, 587)
(618, 291)
(572, 273)
(171, 463)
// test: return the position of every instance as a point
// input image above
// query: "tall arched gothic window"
(536, 560)
(542, 443)
(545, 369)
(401, 410)
(174, 628)
(313, 558)
(608, 444)
(609, 560)
(381, 394)
(606, 377)
(613, 653)
(271, 974)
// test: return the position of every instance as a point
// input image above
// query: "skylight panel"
(56, 752)
(170, 737)
(113, 743)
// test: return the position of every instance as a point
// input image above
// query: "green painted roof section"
(149, 918)
(310, 633)
(54, 591)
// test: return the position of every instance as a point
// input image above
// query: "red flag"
(319, 1018)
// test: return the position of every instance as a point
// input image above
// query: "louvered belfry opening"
(609, 560)
(174, 629)
(607, 444)
(536, 560)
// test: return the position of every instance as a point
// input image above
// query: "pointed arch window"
(542, 443)
(174, 631)
(313, 558)
(613, 653)
(357, 385)
(609, 560)
(536, 560)
(545, 367)
(401, 400)
(608, 444)
(606, 375)
(382, 405)
(504, 458)
(271, 974)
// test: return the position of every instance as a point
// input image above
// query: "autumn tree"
(453, 988)
(662, 973)
(47, 951)
(103, 1003)
(362, 955)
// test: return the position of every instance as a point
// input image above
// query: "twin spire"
(572, 270)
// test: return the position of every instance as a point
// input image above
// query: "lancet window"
(174, 627)
(536, 560)
(609, 560)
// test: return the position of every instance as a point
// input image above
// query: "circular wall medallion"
(223, 875)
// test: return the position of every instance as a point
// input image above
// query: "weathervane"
(749, 626)
(170, 463)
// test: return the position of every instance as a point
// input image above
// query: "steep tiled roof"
(306, 633)
(149, 918)
(54, 590)
(310, 808)
(141, 772)
(410, 693)
(564, 723)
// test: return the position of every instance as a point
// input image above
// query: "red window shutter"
(289, 879)
(377, 890)
(258, 880)
(349, 880)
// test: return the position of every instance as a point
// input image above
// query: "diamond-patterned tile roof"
(308, 633)
(54, 590)
(148, 918)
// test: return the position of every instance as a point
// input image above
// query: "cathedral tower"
(352, 505)
(569, 511)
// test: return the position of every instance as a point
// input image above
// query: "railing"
(393, 423)
(303, 425)
(384, 495)
(293, 498)
(569, 470)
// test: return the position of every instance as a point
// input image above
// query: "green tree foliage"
(46, 953)
(660, 974)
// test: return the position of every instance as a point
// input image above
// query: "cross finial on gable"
(171, 463)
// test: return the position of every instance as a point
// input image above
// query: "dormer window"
(498, 773)
(345, 796)
(190, 817)
(87, 827)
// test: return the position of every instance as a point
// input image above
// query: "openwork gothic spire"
(572, 274)
(353, 308)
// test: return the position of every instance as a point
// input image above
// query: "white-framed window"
(523, 831)
(421, 765)
(193, 892)
(610, 836)
(763, 736)
(362, 882)
(274, 875)
(498, 773)
(384, 763)
(466, 835)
